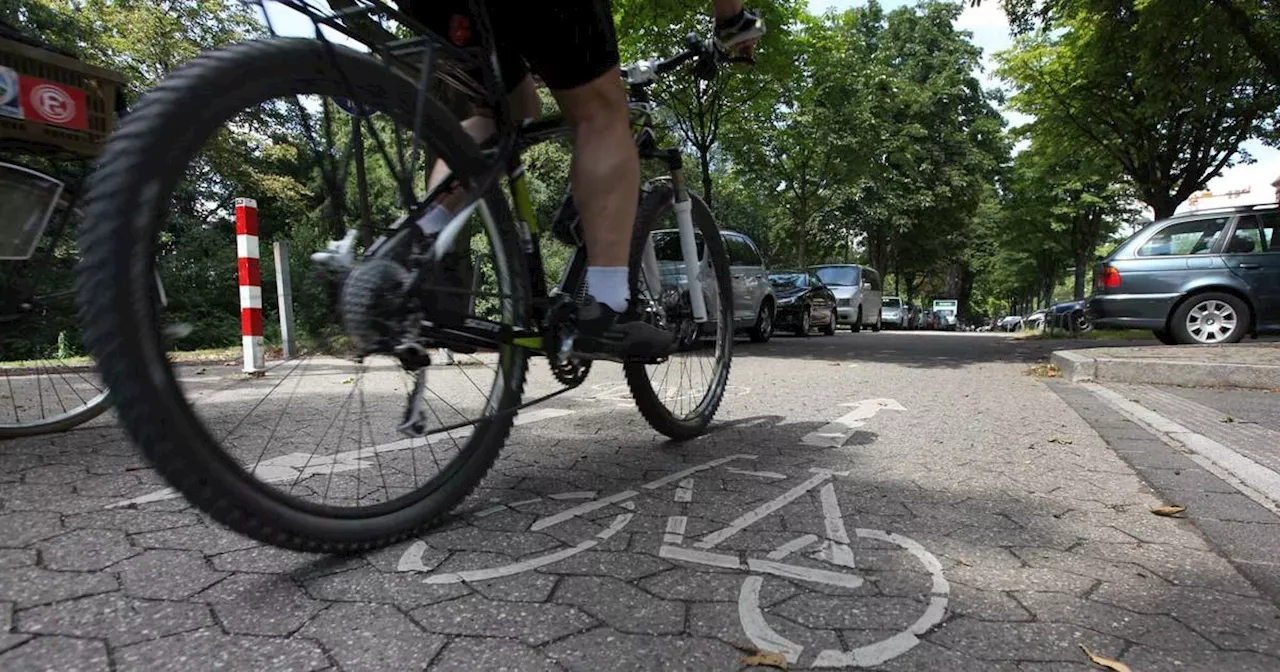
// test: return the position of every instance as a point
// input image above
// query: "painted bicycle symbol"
(834, 550)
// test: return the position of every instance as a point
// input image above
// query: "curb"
(1077, 367)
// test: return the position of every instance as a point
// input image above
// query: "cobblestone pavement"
(959, 516)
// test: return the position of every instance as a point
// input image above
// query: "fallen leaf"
(766, 659)
(200, 372)
(1064, 442)
(1170, 510)
(1115, 665)
(348, 381)
(1228, 419)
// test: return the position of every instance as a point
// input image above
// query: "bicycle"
(36, 302)
(383, 295)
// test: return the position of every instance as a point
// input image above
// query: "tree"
(703, 110)
(1172, 117)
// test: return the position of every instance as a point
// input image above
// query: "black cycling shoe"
(603, 330)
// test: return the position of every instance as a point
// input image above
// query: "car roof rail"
(1229, 208)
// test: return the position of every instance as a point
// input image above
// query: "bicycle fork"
(683, 207)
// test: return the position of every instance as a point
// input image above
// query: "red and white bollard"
(250, 285)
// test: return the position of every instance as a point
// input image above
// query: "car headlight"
(787, 301)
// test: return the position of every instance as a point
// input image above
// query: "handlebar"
(706, 52)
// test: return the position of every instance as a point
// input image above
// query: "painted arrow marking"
(835, 433)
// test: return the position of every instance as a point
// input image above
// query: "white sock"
(608, 284)
(435, 220)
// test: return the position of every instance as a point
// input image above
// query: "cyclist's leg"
(605, 171)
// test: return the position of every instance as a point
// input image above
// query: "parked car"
(803, 302)
(1009, 323)
(753, 298)
(1202, 277)
(893, 313)
(947, 310)
(858, 290)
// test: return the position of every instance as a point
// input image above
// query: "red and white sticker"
(54, 103)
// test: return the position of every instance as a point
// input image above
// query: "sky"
(990, 28)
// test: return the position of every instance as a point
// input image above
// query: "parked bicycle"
(261, 487)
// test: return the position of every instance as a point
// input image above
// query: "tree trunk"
(704, 161)
(1082, 269)
(1163, 205)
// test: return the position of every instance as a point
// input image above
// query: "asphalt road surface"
(897, 501)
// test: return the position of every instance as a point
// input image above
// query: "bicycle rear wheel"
(707, 349)
(269, 499)
(47, 383)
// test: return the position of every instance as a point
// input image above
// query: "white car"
(858, 291)
(754, 304)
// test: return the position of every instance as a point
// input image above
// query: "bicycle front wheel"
(680, 396)
(297, 467)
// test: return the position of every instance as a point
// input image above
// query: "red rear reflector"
(1110, 277)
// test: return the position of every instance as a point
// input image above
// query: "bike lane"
(918, 521)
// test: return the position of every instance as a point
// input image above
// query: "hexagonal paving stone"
(210, 649)
(467, 654)
(24, 527)
(116, 618)
(86, 550)
(30, 586)
(622, 606)
(383, 640)
(166, 575)
(57, 654)
(474, 615)
(260, 604)
(604, 649)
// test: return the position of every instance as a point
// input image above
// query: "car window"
(750, 256)
(1247, 237)
(815, 281)
(891, 303)
(788, 280)
(1197, 236)
(838, 276)
(1269, 224)
(666, 246)
(739, 251)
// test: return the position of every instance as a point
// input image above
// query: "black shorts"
(566, 43)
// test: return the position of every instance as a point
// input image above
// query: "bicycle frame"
(511, 140)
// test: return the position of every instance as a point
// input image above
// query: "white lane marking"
(764, 636)
(700, 557)
(684, 493)
(472, 575)
(836, 550)
(762, 474)
(675, 530)
(588, 507)
(713, 538)
(758, 629)
(584, 494)
(1254, 475)
(620, 521)
(672, 478)
(525, 502)
(411, 561)
(792, 546)
(810, 574)
(628, 505)
(836, 432)
(295, 466)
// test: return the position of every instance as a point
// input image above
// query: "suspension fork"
(683, 207)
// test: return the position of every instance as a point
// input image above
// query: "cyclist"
(571, 45)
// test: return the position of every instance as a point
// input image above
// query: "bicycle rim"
(264, 487)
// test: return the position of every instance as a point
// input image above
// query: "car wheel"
(1210, 318)
(762, 331)
(806, 322)
(857, 322)
(830, 328)
(1164, 337)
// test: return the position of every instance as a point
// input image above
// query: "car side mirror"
(866, 285)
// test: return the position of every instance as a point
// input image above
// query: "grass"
(1094, 335)
(1045, 370)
